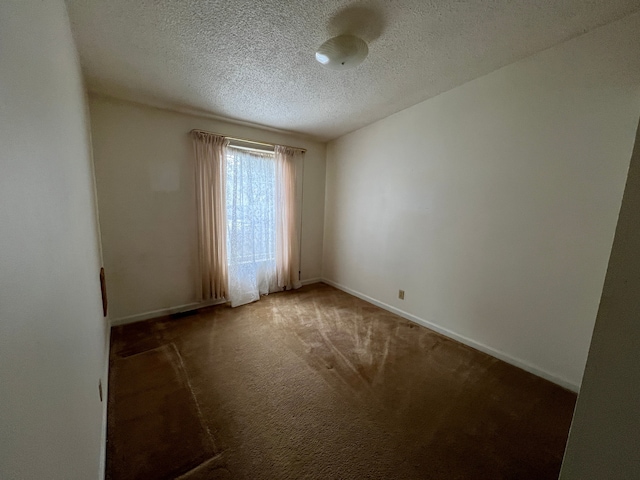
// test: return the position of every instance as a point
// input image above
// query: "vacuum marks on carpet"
(318, 384)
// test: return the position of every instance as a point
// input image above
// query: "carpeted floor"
(317, 384)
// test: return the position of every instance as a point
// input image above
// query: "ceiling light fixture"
(342, 52)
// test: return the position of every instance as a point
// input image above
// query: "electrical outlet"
(401, 294)
(100, 388)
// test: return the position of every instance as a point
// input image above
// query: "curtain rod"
(246, 140)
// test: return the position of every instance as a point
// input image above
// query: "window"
(248, 207)
(251, 223)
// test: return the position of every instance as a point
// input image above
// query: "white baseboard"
(181, 308)
(164, 311)
(460, 338)
(420, 321)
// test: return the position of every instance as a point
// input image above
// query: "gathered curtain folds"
(288, 162)
(248, 216)
(210, 154)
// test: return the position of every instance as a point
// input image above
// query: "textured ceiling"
(254, 60)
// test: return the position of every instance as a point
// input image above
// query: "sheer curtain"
(288, 161)
(212, 223)
(247, 219)
(251, 224)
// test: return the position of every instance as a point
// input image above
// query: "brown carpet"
(155, 391)
(317, 384)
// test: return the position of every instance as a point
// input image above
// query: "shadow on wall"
(362, 21)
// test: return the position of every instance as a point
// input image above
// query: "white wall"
(494, 205)
(52, 333)
(146, 192)
(605, 434)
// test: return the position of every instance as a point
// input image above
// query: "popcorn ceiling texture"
(254, 60)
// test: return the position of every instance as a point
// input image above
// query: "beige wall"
(494, 205)
(146, 194)
(52, 333)
(604, 441)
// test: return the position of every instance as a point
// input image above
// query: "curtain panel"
(210, 154)
(288, 161)
(251, 225)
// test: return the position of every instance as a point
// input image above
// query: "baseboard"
(181, 308)
(460, 338)
(420, 321)
(163, 312)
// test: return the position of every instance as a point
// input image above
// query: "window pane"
(251, 232)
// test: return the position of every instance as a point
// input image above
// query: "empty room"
(319, 240)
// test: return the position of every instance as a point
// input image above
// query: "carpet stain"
(319, 384)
